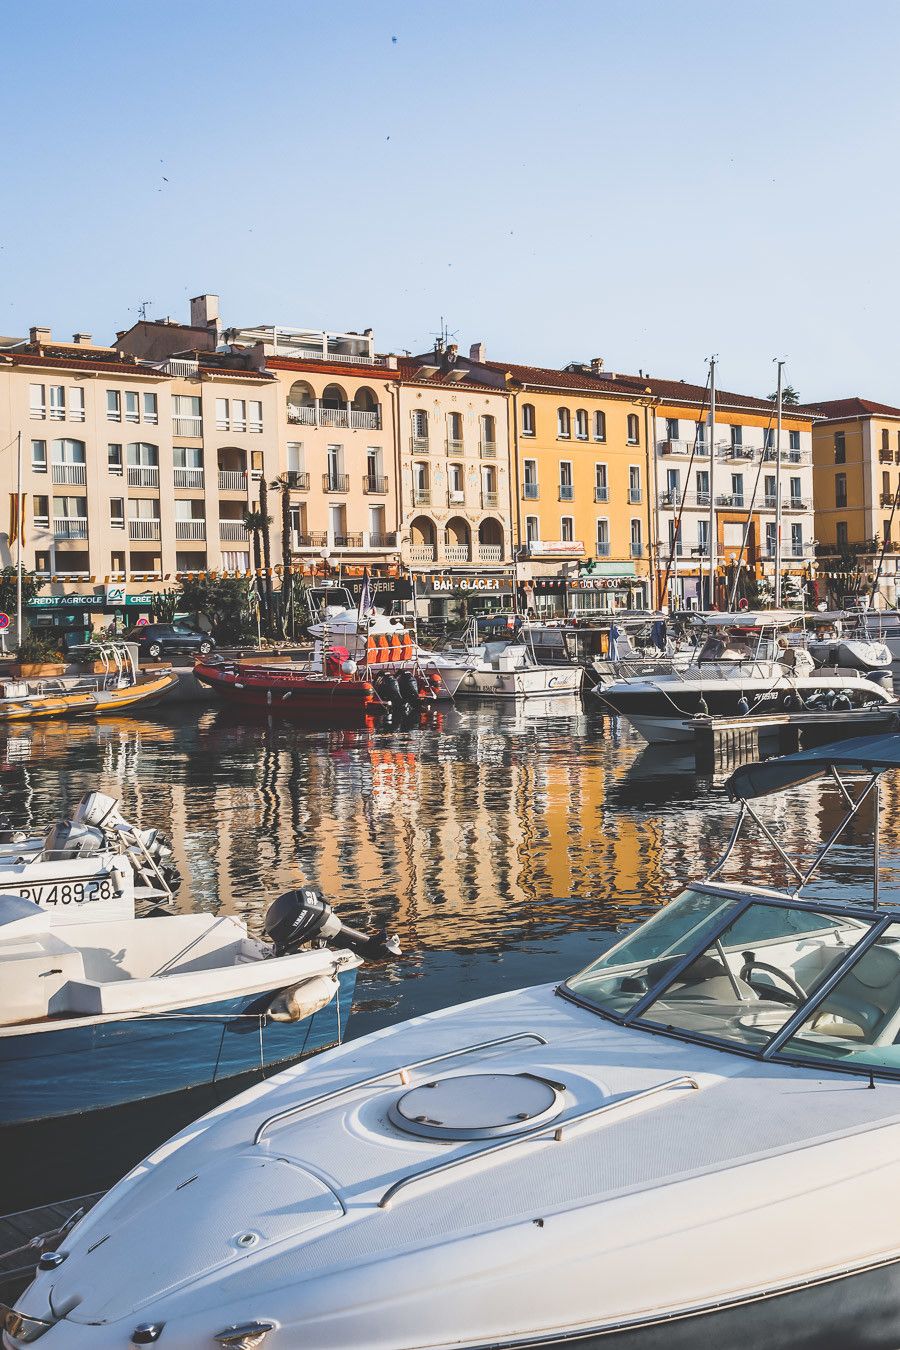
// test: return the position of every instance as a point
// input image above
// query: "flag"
(366, 600)
(13, 518)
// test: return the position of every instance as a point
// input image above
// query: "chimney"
(40, 335)
(81, 339)
(477, 352)
(596, 365)
(205, 311)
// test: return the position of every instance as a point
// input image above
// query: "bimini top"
(872, 754)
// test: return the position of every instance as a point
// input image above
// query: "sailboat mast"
(713, 542)
(778, 491)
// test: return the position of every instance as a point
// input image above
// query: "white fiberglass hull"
(529, 682)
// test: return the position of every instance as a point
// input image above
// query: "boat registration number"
(69, 892)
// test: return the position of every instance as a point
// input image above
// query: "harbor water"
(504, 845)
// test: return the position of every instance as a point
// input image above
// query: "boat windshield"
(742, 981)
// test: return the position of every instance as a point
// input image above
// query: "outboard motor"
(95, 808)
(409, 687)
(388, 690)
(302, 916)
(69, 839)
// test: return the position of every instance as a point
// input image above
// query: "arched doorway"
(490, 540)
(457, 540)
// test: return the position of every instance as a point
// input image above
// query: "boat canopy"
(870, 754)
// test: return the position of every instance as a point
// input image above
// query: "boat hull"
(88, 703)
(113, 1061)
(531, 681)
(279, 693)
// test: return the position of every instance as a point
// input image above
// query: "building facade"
(856, 455)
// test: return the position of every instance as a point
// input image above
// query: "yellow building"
(856, 454)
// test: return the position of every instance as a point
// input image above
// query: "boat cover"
(871, 753)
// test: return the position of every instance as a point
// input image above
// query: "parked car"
(167, 639)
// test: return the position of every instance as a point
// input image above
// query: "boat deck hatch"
(478, 1106)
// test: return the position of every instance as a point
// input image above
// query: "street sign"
(4, 622)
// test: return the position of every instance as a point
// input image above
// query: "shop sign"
(442, 585)
(114, 593)
(385, 589)
(66, 602)
(556, 548)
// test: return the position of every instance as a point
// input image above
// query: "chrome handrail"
(551, 1132)
(401, 1069)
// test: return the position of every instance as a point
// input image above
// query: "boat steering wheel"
(795, 993)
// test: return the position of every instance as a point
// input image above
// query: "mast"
(713, 542)
(778, 491)
(20, 521)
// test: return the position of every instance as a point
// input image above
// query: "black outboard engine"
(388, 690)
(409, 688)
(302, 916)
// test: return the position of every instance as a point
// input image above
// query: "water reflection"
(504, 845)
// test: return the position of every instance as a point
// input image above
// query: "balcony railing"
(143, 475)
(335, 482)
(796, 504)
(488, 449)
(637, 550)
(456, 553)
(143, 529)
(885, 456)
(737, 452)
(422, 496)
(190, 529)
(454, 446)
(304, 413)
(886, 499)
(490, 553)
(375, 483)
(421, 553)
(298, 480)
(530, 491)
(419, 445)
(601, 494)
(232, 480)
(180, 369)
(566, 492)
(70, 527)
(634, 495)
(456, 496)
(69, 473)
(733, 499)
(601, 549)
(489, 501)
(671, 498)
(187, 426)
(233, 529)
(382, 540)
(189, 478)
(670, 447)
(787, 456)
(348, 541)
(310, 539)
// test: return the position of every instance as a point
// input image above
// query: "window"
(238, 414)
(841, 534)
(794, 440)
(254, 416)
(885, 439)
(567, 529)
(769, 492)
(737, 436)
(769, 438)
(885, 483)
(887, 534)
(601, 483)
(634, 434)
(222, 422)
(796, 491)
(702, 430)
(143, 508)
(581, 425)
(420, 424)
(771, 536)
(634, 483)
(57, 394)
(702, 480)
(139, 452)
(455, 428)
(117, 562)
(42, 512)
(76, 405)
(117, 512)
(599, 425)
(113, 405)
(797, 541)
(637, 547)
(566, 488)
(186, 415)
(671, 428)
(151, 409)
(488, 429)
(840, 447)
(703, 537)
(737, 489)
(527, 419)
(673, 487)
(42, 562)
(37, 404)
(132, 406)
(840, 489)
(191, 456)
(456, 483)
(674, 540)
(114, 457)
(602, 538)
(39, 456)
(530, 479)
(532, 529)
(257, 463)
(563, 423)
(335, 466)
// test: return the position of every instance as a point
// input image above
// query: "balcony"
(297, 481)
(769, 502)
(456, 553)
(422, 496)
(637, 550)
(310, 539)
(348, 541)
(735, 500)
(421, 553)
(454, 446)
(382, 541)
(886, 499)
(796, 504)
(143, 529)
(232, 480)
(335, 482)
(489, 501)
(311, 415)
(787, 456)
(143, 475)
(669, 447)
(70, 527)
(490, 553)
(530, 491)
(233, 530)
(601, 548)
(190, 529)
(488, 449)
(187, 426)
(69, 473)
(566, 492)
(885, 456)
(671, 498)
(189, 478)
(419, 445)
(456, 496)
(375, 483)
(180, 369)
(601, 494)
(743, 453)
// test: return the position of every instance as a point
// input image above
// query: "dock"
(27, 1233)
(724, 741)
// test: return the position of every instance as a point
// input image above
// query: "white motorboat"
(385, 646)
(678, 1147)
(510, 666)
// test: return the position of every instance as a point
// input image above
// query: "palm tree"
(253, 524)
(789, 396)
(266, 549)
(282, 485)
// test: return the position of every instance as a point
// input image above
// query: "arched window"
(488, 431)
(599, 426)
(68, 461)
(456, 483)
(420, 425)
(143, 464)
(581, 425)
(455, 430)
(527, 419)
(68, 452)
(563, 423)
(634, 435)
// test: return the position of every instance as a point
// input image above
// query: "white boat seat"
(869, 993)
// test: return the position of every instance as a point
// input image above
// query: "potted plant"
(38, 657)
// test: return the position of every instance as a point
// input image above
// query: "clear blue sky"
(645, 180)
